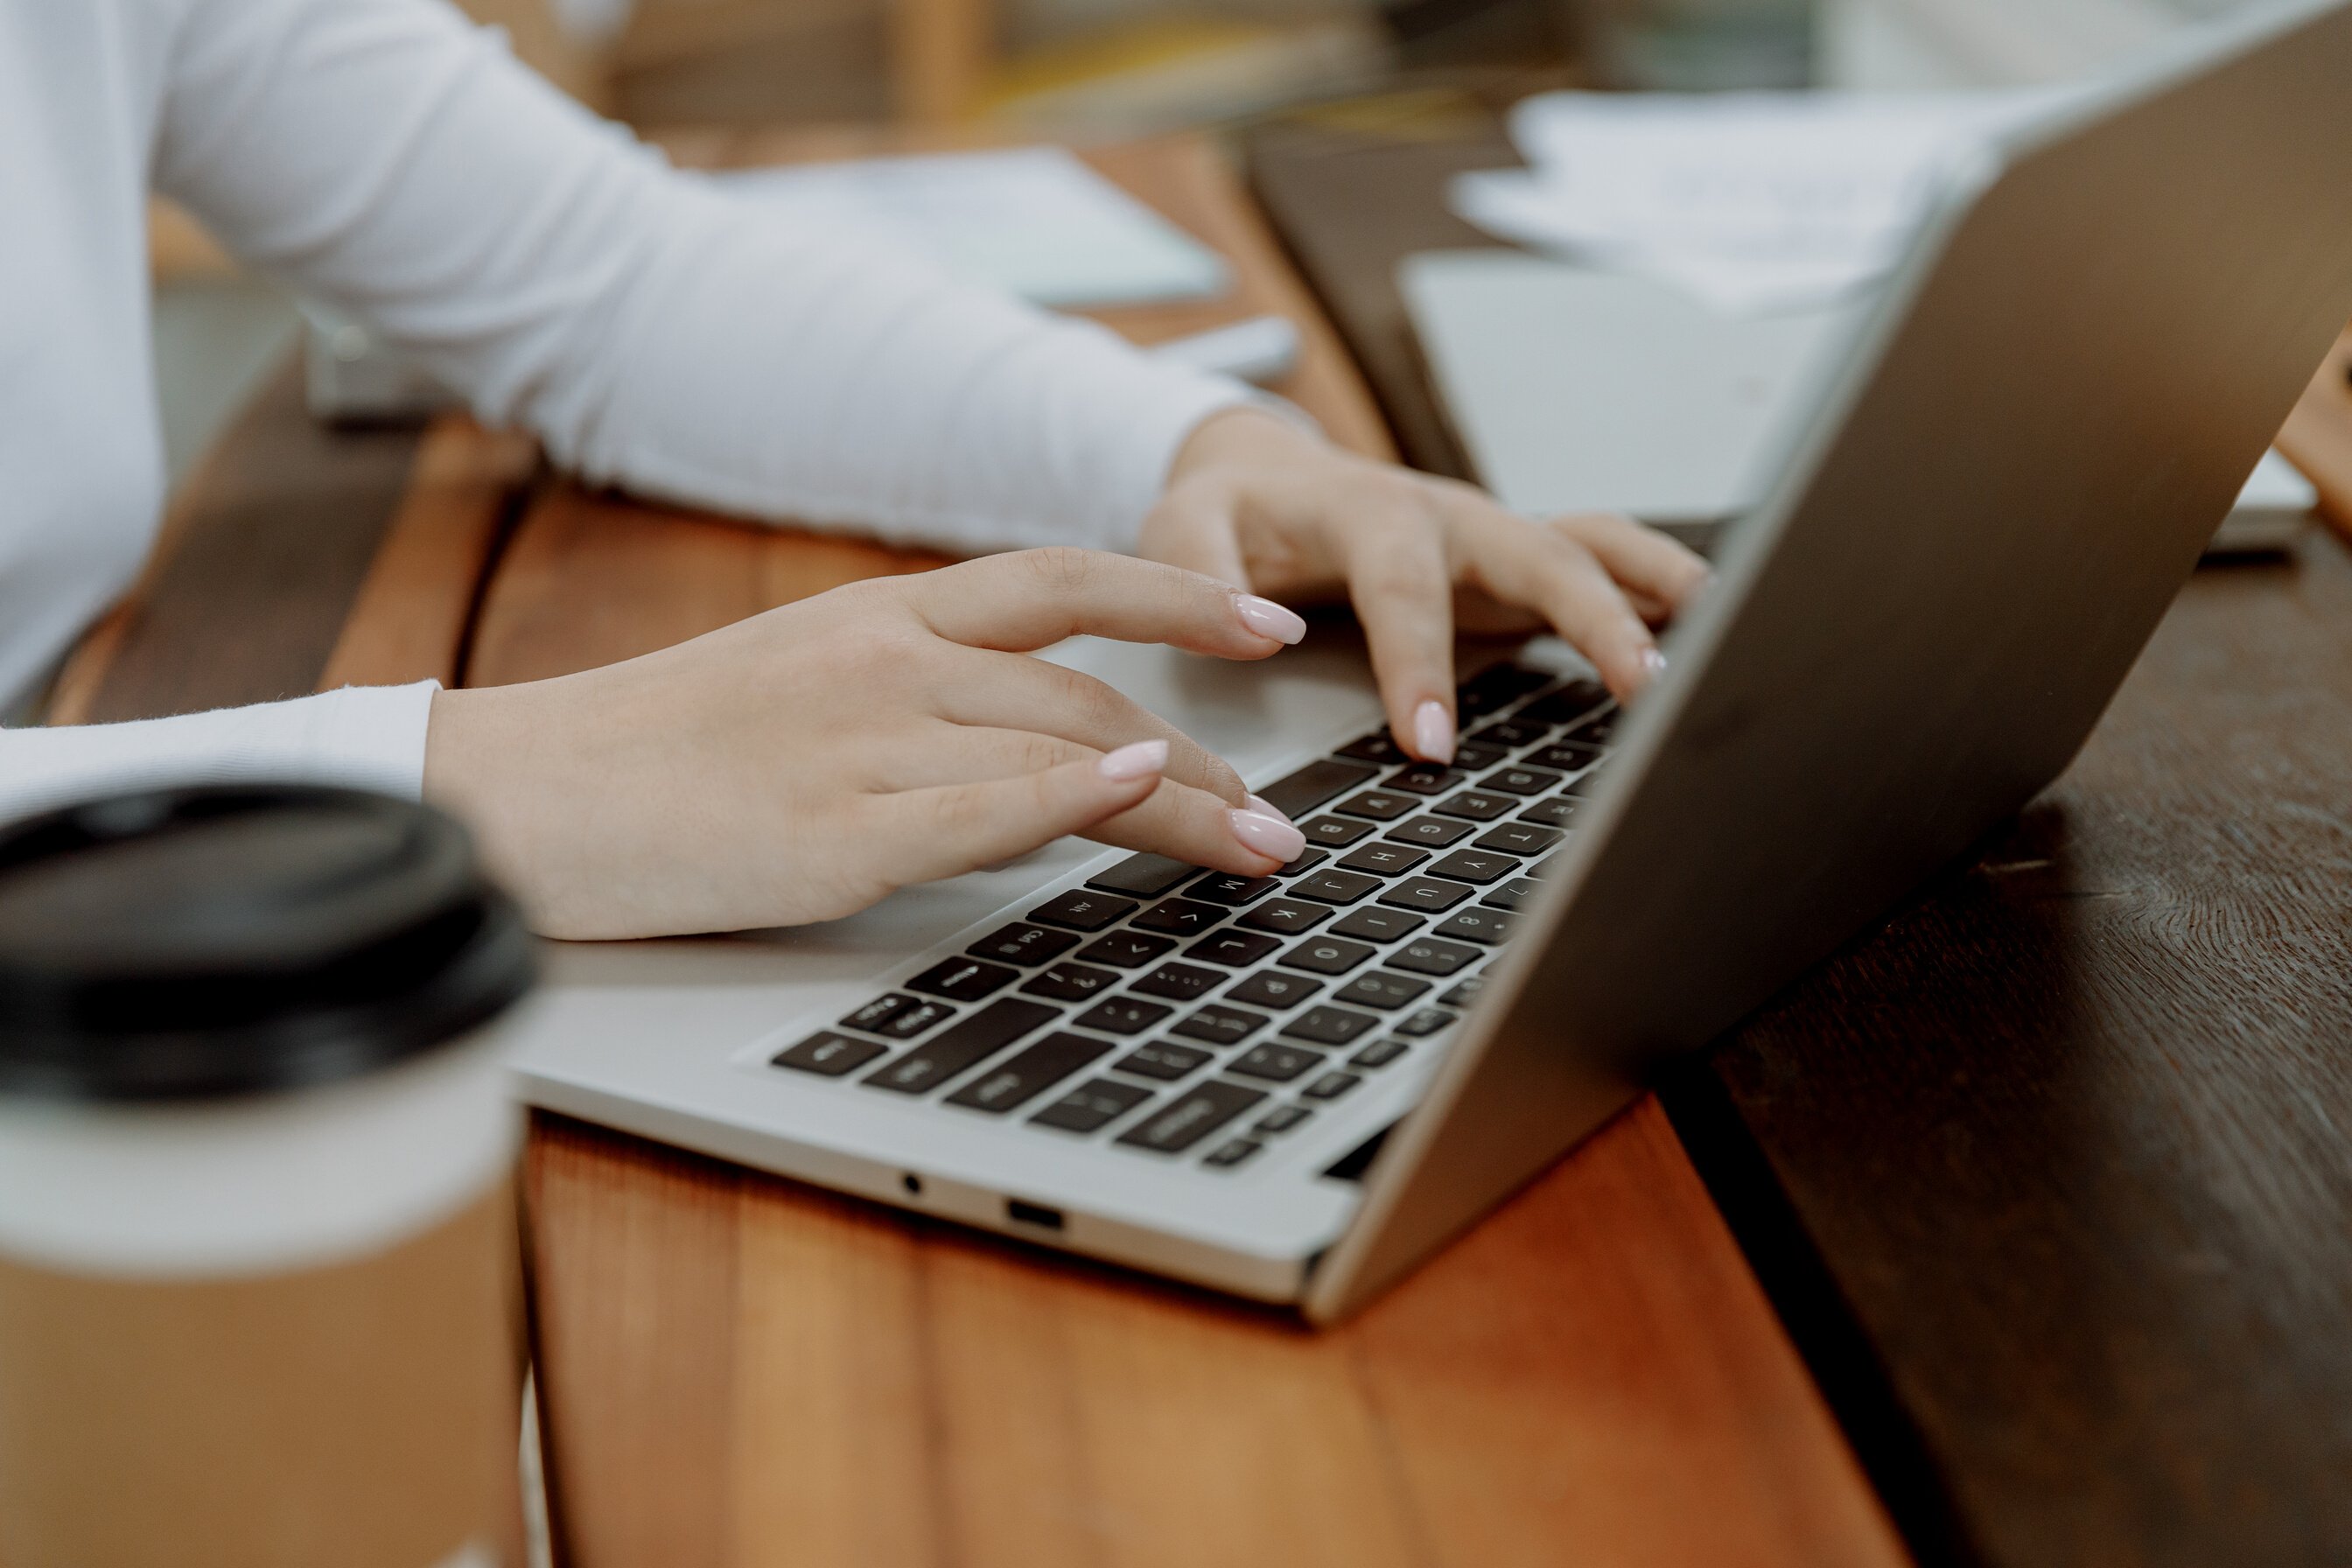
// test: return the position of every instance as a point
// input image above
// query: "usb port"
(1037, 1215)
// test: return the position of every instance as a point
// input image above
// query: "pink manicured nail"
(1269, 619)
(1433, 732)
(1264, 808)
(1142, 759)
(1653, 663)
(1267, 835)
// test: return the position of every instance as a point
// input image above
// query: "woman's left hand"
(1267, 505)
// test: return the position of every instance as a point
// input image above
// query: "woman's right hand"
(803, 764)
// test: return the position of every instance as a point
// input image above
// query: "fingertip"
(1433, 731)
(1134, 762)
(1275, 623)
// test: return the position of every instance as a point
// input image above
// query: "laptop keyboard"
(1197, 1015)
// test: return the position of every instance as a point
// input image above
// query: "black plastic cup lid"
(199, 942)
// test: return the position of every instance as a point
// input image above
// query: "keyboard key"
(1122, 1015)
(1512, 895)
(1226, 1155)
(963, 1044)
(1477, 866)
(829, 1055)
(1234, 949)
(1377, 747)
(1479, 805)
(1379, 804)
(1024, 944)
(1496, 687)
(1102, 1102)
(1511, 733)
(1070, 983)
(1274, 989)
(1178, 917)
(1487, 926)
(1226, 887)
(1029, 1073)
(1519, 839)
(1583, 783)
(1301, 792)
(1285, 916)
(1081, 911)
(1429, 832)
(1424, 778)
(922, 1016)
(1374, 924)
(1520, 781)
(1145, 875)
(1472, 755)
(1539, 869)
(1384, 858)
(1570, 702)
(879, 1013)
(1379, 1053)
(1308, 860)
(1425, 1021)
(1333, 832)
(1328, 1026)
(1429, 896)
(1221, 1026)
(1163, 1060)
(1325, 955)
(1126, 949)
(1462, 995)
(1282, 1119)
(1276, 1062)
(963, 979)
(1381, 989)
(1191, 1117)
(1331, 1086)
(1569, 757)
(1181, 981)
(1601, 731)
(1335, 886)
(1552, 813)
(1433, 955)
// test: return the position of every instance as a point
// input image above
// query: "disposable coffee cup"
(258, 1272)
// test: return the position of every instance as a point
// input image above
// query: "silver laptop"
(1295, 1087)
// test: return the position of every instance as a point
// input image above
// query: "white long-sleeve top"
(387, 157)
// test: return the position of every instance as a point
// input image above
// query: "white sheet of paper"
(1035, 221)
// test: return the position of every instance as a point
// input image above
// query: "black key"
(1274, 989)
(1281, 1119)
(1379, 804)
(1145, 875)
(1221, 1026)
(1125, 948)
(1191, 1117)
(877, 1013)
(1511, 733)
(1462, 995)
(1520, 781)
(1429, 832)
(1551, 813)
(1487, 926)
(1285, 916)
(1335, 887)
(916, 1018)
(1226, 887)
(1569, 756)
(963, 1044)
(1225, 1156)
(1570, 702)
(1472, 755)
(1519, 839)
(1333, 832)
(1163, 1060)
(1306, 861)
(1331, 1086)
(1601, 731)
(1029, 1073)
(1427, 896)
(1024, 944)
(1381, 989)
(1583, 783)
(1374, 924)
(1383, 858)
(1330, 1026)
(829, 1055)
(1122, 1015)
(1311, 785)
(1475, 865)
(1070, 983)
(1435, 955)
(1541, 869)
(1427, 1020)
(1478, 805)
(1234, 949)
(1103, 1101)
(1512, 895)
(1181, 981)
(1325, 955)
(1377, 747)
(1379, 1053)
(963, 979)
(1423, 778)
(1178, 917)
(1081, 911)
(1277, 1062)
(1498, 686)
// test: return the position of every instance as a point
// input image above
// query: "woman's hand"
(1257, 501)
(799, 765)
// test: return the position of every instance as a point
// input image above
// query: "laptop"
(1298, 1088)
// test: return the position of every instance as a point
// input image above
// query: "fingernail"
(1653, 663)
(1433, 732)
(1267, 835)
(1264, 807)
(1141, 759)
(1269, 619)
